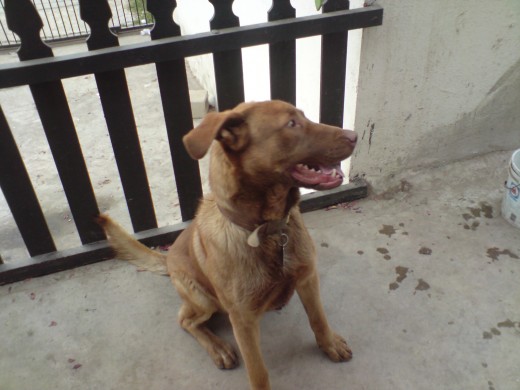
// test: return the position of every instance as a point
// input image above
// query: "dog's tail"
(128, 248)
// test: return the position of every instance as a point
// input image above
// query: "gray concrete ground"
(422, 280)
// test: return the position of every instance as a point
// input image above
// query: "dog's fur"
(231, 258)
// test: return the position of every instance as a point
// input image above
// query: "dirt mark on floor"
(385, 252)
(389, 230)
(402, 273)
(495, 331)
(494, 252)
(474, 215)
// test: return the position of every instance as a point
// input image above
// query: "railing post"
(117, 107)
(20, 196)
(53, 108)
(333, 70)
(229, 74)
(175, 98)
(282, 57)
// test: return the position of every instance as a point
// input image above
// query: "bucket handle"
(512, 187)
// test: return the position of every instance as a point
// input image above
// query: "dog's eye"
(291, 123)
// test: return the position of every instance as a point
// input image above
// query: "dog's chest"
(278, 272)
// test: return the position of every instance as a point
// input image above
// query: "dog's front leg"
(246, 329)
(329, 342)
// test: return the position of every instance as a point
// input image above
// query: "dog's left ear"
(223, 126)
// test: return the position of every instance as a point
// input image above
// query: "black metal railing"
(43, 73)
(62, 20)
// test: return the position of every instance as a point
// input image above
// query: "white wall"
(193, 16)
(439, 81)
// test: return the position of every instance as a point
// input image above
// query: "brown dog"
(247, 250)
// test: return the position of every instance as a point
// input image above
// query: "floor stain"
(474, 225)
(494, 331)
(360, 252)
(425, 251)
(494, 252)
(324, 245)
(403, 187)
(508, 324)
(484, 209)
(422, 286)
(404, 233)
(401, 272)
(389, 230)
(384, 252)
(467, 216)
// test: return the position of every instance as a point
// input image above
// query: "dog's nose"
(350, 135)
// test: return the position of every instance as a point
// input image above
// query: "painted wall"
(439, 81)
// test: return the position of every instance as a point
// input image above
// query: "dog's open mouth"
(317, 176)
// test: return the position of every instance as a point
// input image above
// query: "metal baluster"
(282, 57)
(333, 70)
(20, 196)
(229, 75)
(52, 106)
(48, 22)
(117, 107)
(175, 97)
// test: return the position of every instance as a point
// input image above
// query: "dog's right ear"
(222, 126)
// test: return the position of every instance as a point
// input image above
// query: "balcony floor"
(423, 281)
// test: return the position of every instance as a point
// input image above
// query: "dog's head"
(273, 141)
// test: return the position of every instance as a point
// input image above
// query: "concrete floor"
(422, 280)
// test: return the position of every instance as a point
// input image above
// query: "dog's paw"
(224, 355)
(337, 349)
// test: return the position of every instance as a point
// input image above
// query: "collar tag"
(254, 240)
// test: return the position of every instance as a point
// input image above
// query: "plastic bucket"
(511, 201)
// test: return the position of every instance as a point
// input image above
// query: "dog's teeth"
(318, 171)
(334, 173)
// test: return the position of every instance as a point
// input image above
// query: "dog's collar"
(259, 229)
(268, 228)
(239, 220)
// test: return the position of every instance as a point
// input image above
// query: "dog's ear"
(226, 127)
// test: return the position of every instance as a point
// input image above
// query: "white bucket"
(511, 201)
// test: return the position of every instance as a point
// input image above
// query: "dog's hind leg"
(197, 308)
